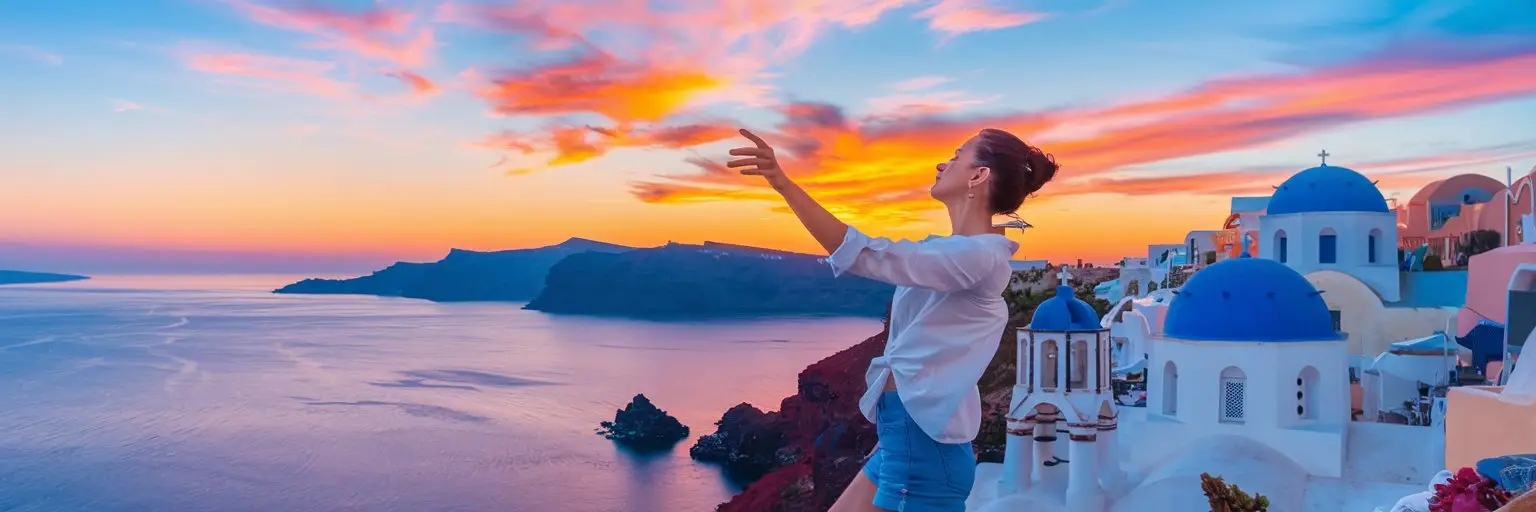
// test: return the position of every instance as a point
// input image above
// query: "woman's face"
(960, 175)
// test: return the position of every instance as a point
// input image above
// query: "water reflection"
(222, 396)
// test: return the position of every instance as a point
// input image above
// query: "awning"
(1434, 344)
(1137, 367)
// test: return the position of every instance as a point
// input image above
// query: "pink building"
(1441, 212)
(1491, 421)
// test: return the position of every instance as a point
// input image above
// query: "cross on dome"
(1324, 155)
(1064, 275)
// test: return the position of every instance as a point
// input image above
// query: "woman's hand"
(829, 231)
(761, 160)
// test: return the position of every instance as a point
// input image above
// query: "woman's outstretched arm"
(948, 268)
(825, 227)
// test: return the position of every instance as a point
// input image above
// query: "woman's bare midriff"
(890, 384)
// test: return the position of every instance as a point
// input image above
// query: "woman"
(946, 318)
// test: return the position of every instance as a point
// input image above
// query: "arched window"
(1025, 363)
(1047, 366)
(1306, 393)
(1234, 395)
(1170, 389)
(1280, 246)
(1328, 246)
(1370, 245)
(1080, 361)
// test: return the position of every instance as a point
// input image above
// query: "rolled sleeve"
(846, 254)
(946, 267)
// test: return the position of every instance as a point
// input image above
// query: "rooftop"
(1249, 299)
(1250, 204)
(1327, 188)
(1432, 289)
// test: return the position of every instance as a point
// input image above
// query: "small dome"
(1064, 312)
(1327, 188)
(1249, 299)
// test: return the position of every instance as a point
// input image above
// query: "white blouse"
(947, 318)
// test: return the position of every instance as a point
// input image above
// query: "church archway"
(1170, 389)
(1048, 357)
(1327, 246)
(1080, 361)
(1281, 247)
(1373, 246)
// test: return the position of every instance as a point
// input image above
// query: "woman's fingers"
(762, 161)
(754, 138)
(743, 162)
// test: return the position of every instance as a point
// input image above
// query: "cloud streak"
(567, 145)
(618, 89)
(954, 17)
(381, 34)
(878, 170)
(1389, 174)
(267, 72)
(639, 66)
(121, 105)
(32, 53)
(420, 86)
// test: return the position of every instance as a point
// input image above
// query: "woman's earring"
(972, 193)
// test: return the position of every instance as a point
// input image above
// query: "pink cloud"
(381, 34)
(272, 73)
(120, 105)
(420, 86)
(921, 83)
(961, 16)
(879, 170)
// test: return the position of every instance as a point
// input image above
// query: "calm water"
(152, 393)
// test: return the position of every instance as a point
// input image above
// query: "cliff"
(812, 447)
(821, 436)
(710, 280)
(20, 277)
(515, 275)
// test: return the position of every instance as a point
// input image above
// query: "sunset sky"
(310, 136)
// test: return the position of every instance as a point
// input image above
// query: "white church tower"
(1333, 218)
(1063, 384)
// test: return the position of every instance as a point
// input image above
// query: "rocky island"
(20, 277)
(643, 426)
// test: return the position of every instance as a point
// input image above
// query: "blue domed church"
(1063, 387)
(1249, 349)
(1333, 218)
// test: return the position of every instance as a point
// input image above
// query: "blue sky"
(335, 136)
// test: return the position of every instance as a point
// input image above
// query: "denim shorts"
(911, 471)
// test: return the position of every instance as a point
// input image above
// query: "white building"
(1248, 381)
(1333, 218)
(1247, 370)
(1133, 322)
(1063, 384)
(1249, 349)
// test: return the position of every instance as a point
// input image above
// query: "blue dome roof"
(1249, 299)
(1064, 312)
(1327, 188)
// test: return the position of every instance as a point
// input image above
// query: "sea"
(209, 393)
